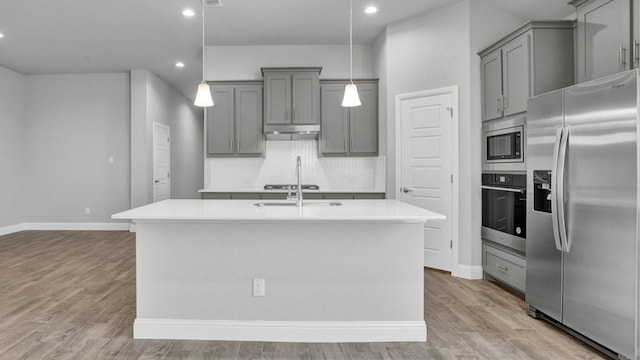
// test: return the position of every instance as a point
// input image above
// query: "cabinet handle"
(238, 145)
(623, 61)
(498, 105)
(293, 115)
(502, 267)
(636, 53)
(505, 102)
(344, 142)
(231, 143)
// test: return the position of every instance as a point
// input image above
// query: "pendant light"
(351, 97)
(203, 96)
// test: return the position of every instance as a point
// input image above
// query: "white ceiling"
(84, 36)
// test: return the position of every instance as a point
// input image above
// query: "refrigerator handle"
(564, 238)
(554, 191)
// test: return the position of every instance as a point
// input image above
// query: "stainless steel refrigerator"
(582, 210)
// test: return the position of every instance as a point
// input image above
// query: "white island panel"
(332, 274)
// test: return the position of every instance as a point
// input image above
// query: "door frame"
(453, 91)
(153, 157)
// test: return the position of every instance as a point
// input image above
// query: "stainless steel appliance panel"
(544, 259)
(600, 211)
(504, 209)
(504, 126)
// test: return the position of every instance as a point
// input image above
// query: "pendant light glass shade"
(203, 96)
(351, 97)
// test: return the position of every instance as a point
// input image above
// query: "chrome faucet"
(299, 178)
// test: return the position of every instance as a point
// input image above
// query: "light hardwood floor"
(71, 295)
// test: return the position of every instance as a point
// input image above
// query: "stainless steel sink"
(281, 203)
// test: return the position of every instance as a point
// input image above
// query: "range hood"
(291, 132)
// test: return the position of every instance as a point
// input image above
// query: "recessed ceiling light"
(371, 10)
(179, 64)
(188, 12)
(1, 35)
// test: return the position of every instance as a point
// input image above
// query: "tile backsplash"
(279, 163)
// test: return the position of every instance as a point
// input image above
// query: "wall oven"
(504, 209)
(503, 145)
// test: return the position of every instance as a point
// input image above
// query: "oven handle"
(520, 191)
(554, 190)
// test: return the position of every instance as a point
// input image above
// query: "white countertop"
(262, 190)
(313, 211)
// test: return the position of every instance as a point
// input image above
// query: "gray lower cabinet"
(349, 131)
(292, 95)
(234, 123)
(503, 265)
(534, 59)
(604, 43)
(283, 196)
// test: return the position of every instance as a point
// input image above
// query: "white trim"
(455, 161)
(64, 226)
(132, 227)
(467, 272)
(284, 331)
(11, 229)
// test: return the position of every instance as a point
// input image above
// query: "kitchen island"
(232, 270)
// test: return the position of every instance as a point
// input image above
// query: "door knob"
(406, 190)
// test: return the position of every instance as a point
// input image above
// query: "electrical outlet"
(111, 160)
(258, 287)
(87, 211)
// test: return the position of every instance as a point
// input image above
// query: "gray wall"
(439, 49)
(55, 150)
(153, 100)
(12, 107)
(73, 124)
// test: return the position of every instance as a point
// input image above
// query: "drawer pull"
(501, 267)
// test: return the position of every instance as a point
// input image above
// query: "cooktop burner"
(293, 187)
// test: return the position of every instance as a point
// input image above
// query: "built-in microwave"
(503, 143)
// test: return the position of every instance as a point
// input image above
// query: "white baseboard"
(468, 272)
(6, 230)
(64, 226)
(281, 331)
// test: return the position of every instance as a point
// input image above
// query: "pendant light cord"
(351, 41)
(203, 41)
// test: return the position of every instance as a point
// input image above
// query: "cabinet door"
(277, 97)
(516, 75)
(335, 121)
(604, 31)
(220, 129)
(491, 79)
(363, 122)
(635, 20)
(306, 97)
(248, 118)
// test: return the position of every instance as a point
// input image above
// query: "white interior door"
(161, 162)
(426, 176)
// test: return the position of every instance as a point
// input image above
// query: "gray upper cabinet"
(491, 85)
(534, 59)
(349, 131)
(234, 123)
(220, 122)
(292, 95)
(515, 75)
(604, 44)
